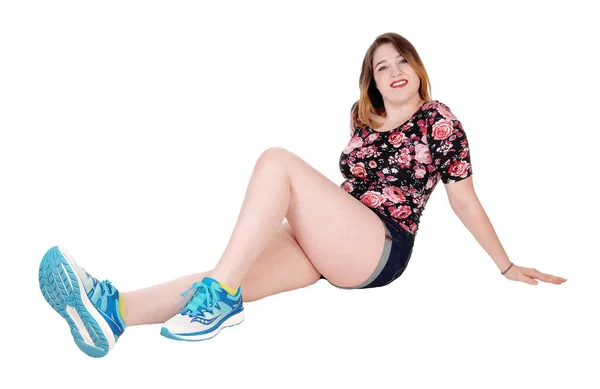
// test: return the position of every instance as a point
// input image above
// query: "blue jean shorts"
(397, 251)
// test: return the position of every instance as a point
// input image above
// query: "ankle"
(225, 282)
(229, 289)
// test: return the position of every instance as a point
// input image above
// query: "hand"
(528, 275)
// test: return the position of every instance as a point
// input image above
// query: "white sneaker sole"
(63, 290)
(234, 320)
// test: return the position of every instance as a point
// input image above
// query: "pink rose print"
(419, 172)
(396, 139)
(429, 105)
(394, 194)
(372, 199)
(442, 129)
(422, 154)
(355, 142)
(373, 137)
(367, 152)
(401, 212)
(458, 169)
(418, 200)
(445, 111)
(359, 170)
(423, 134)
(412, 229)
(404, 157)
(430, 183)
(396, 173)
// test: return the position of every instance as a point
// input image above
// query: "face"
(395, 78)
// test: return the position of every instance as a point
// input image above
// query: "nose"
(397, 71)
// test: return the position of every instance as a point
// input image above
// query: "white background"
(129, 131)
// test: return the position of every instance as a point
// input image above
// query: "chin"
(397, 100)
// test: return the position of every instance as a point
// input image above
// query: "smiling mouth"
(399, 83)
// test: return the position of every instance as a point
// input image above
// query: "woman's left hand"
(528, 275)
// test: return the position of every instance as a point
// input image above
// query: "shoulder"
(439, 110)
(442, 111)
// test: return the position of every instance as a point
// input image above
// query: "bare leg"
(340, 235)
(333, 234)
(330, 232)
(263, 210)
(282, 266)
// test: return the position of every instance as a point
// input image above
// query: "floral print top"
(394, 172)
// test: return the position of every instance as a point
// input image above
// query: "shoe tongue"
(199, 300)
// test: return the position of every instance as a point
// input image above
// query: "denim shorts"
(397, 251)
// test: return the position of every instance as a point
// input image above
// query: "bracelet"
(504, 272)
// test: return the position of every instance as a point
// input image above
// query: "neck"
(399, 112)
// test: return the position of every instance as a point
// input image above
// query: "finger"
(561, 279)
(556, 280)
(544, 277)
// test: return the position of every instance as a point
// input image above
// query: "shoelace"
(107, 288)
(203, 297)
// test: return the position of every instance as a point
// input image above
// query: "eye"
(404, 61)
(381, 68)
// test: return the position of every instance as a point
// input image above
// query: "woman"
(356, 235)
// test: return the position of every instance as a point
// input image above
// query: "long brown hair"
(370, 101)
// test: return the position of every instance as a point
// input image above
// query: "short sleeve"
(448, 145)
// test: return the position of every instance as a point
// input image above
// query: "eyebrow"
(399, 55)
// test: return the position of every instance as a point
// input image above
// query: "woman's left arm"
(465, 204)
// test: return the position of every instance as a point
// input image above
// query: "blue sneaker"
(209, 310)
(90, 307)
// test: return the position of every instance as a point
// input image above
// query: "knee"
(274, 153)
(273, 156)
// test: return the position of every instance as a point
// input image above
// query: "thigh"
(281, 267)
(341, 236)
